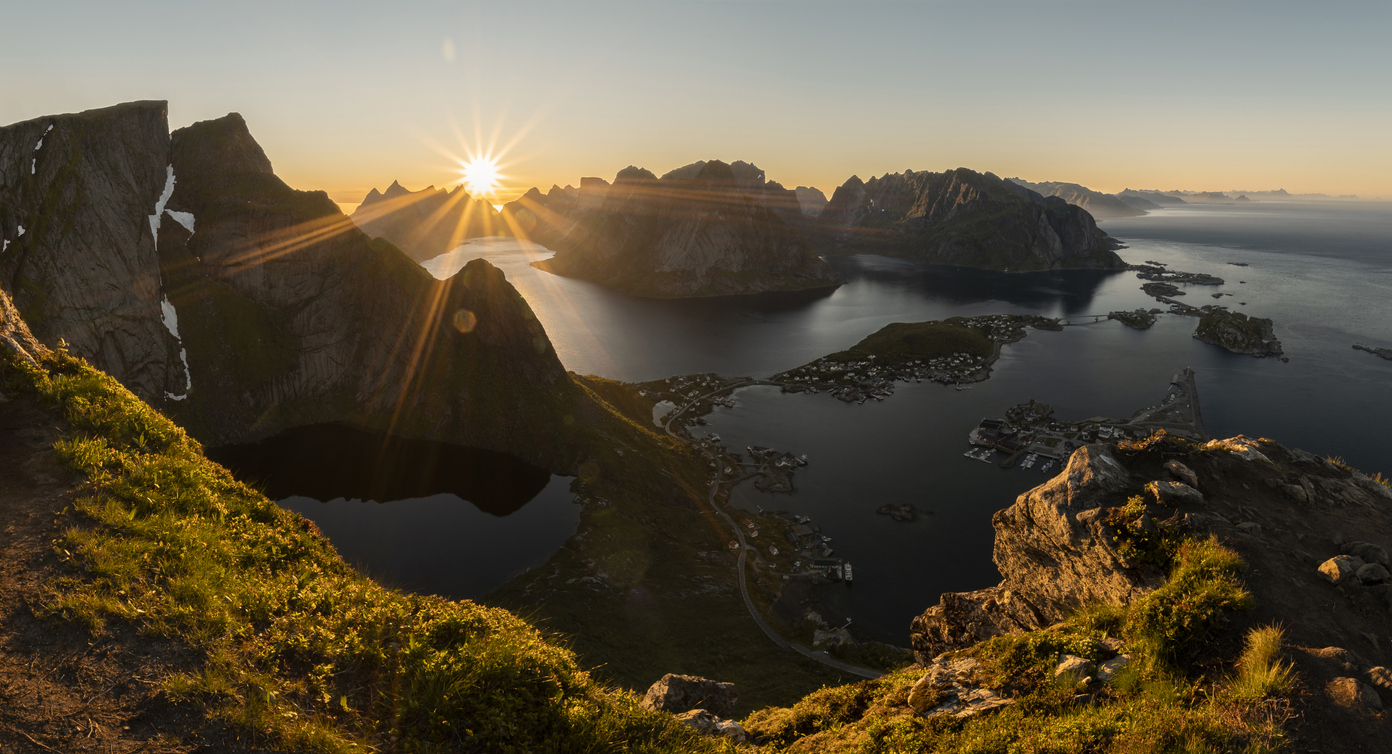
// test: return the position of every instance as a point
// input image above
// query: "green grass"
(291, 645)
(1260, 671)
(1153, 704)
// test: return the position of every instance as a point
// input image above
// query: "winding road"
(821, 657)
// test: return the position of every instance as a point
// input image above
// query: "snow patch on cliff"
(183, 218)
(170, 317)
(159, 205)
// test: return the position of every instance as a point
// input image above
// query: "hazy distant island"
(965, 218)
(1101, 206)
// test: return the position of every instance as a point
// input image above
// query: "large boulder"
(682, 693)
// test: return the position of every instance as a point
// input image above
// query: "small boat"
(847, 571)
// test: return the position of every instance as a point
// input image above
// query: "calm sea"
(1321, 271)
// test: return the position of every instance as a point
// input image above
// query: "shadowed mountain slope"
(964, 218)
(706, 229)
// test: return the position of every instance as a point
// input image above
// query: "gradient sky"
(346, 96)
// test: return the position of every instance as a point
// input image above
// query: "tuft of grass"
(294, 646)
(1201, 590)
(1260, 671)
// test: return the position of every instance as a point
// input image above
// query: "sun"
(481, 175)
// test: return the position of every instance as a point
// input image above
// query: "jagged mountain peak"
(225, 146)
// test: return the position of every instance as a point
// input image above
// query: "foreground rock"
(965, 218)
(710, 725)
(708, 229)
(1056, 545)
(681, 693)
(1239, 333)
(954, 687)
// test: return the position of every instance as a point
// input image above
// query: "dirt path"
(61, 689)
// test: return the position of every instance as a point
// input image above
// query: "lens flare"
(481, 175)
(465, 320)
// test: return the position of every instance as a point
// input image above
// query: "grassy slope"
(296, 645)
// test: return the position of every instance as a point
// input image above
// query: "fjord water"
(1323, 272)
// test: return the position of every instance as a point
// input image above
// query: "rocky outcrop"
(181, 265)
(707, 229)
(964, 218)
(1057, 546)
(429, 222)
(1239, 333)
(81, 200)
(14, 333)
(681, 693)
(1101, 206)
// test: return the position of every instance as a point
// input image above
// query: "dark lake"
(427, 516)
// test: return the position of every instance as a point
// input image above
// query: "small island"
(1139, 319)
(1239, 333)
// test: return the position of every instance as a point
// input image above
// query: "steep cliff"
(79, 200)
(963, 218)
(429, 222)
(707, 229)
(186, 269)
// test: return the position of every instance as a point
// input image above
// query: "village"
(858, 375)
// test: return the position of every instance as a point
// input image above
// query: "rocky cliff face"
(429, 222)
(964, 218)
(707, 229)
(185, 268)
(1101, 206)
(1286, 512)
(80, 196)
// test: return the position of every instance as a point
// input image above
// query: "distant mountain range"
(429, 222)
(1099, 205)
